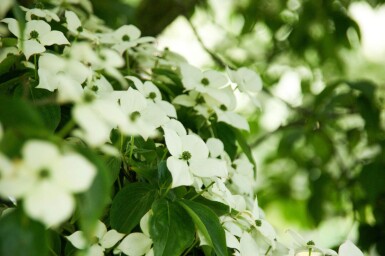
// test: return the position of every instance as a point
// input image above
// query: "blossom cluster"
(117, 96)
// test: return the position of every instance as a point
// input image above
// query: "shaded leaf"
(171, 228)
(20, 236)
(130, 204)
(208, 223)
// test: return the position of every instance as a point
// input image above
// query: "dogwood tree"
(110, 146)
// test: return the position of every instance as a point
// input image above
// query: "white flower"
(301, 247)
(97, 118)
(36, 35)
(40, 13)
(246, 79)
(204, 82)
(65, 75)
(232, 118)
(349, 249)
(143, 118)
(138, 244)
(124, 38)
(74, 25)
(242, 177)
(105, 240)
(190, 156)
(153, 95)
(5, 5)
(46, 180)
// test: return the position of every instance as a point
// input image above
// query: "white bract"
(137, 243)
(143, 118)
(64, 75)
(104, 240)
(46, 180)
(190, 156)
(74, 25)
(124, 38)
(36, 35)
(34, 13)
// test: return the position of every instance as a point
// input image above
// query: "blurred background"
(318, 132)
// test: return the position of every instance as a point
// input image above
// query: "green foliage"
(208, 224)
(129, 206)
(20, 235)
(171, 229)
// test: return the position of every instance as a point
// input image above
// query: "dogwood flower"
(242, 177)
(138, 243)
(153, 95)
(124, 38)
(301, 247)
(64, 75)
(143, 118)
(74, 25)
(190, 157)
(104, 240)
(46, 180)
(247, 81)
(36, 35)
(5, 5)
(34, 13)
(97, 118)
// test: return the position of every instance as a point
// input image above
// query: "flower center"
(94, 88)
(205, 81)
(34, 34)
(223, 107)
(44, 173)
(258, 223)
(186, 155)
(152, 95)
(80, 29)
(134, 116)
(200, 100)
(126, 38)
(310, 243)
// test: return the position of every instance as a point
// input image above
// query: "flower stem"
(201, 192)
(268, 250)
(35, 62)
(131, 147)
(66, 129)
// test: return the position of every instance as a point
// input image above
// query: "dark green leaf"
(21, 236)
(19, 114)
(208, 223)
(226, 134)
(114, 164)
(171, 228)
(130, 204)
(164, 175)
(372, 179)
(93, 201)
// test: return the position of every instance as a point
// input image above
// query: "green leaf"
(114, 164)
(92, 202)
(50, 111)
(171, 229)
(217, 207)
(164, 175)
(208, 223)
(19, 114)
(130, 204)
(226, 134)
(246, 149)
(21, 236)
(372, 178)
